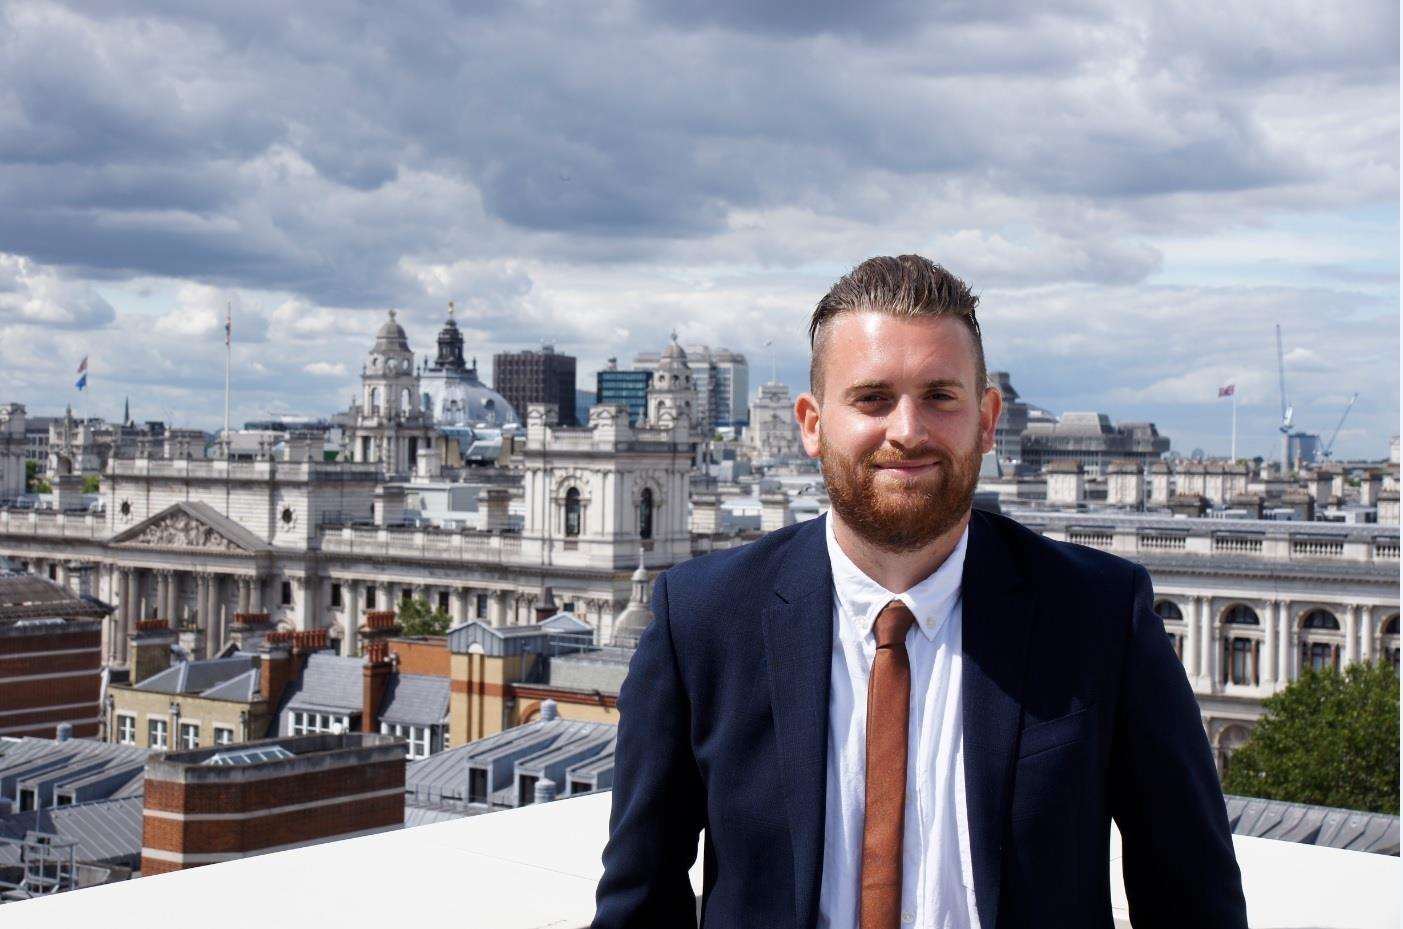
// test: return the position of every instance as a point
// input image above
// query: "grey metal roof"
(415, 700)
(420, 815)
(28, 596)
(1314, 825)
(106, 831)
(243, 688)
(189, 677)
(329, 682)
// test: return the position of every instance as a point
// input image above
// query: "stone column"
(244, 594)
(130, 614)
(1269, 646)
(216, 608)
(1205, 643)
(1191, 628)
(1351, 654)
(1285, 657)
(497, 607)
(1367, 646)
(461, 599)
(163, 590)
(256, 594)
(350, 642)
(202, 608)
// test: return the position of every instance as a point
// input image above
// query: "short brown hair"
(907, 287)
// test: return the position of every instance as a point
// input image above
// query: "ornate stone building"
(390, 425)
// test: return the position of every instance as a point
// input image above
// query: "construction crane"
(1329, 448)
(1285, 426)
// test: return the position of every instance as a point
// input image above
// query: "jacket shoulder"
(733, 570)
(1056, 564)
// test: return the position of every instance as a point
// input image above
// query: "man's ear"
(806, 410)
(990, 406)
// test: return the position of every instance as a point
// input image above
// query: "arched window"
(572, 511)
(375, 399)
(1389, 646)
(1229, 741)
(1169, 611)
(406, 400)
(1241, 651)
(1320, 642)
(645, 514)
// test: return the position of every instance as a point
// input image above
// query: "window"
(370, 598)
(126, 729)
(28, 799)
(53, 572)
(223, 735)
(336, 596)
(645, 514)
(374, 401)
(189, 735)
(406, 595)
(443, 601)
(526, 789)
(157, 731)
(580, 787)
(1243, 651)
(1389, 645)
(481, 606)
(287, 593)
(420, 738)
(1319, 655)
(477, 785)
(309, 723)
(572, 511)
(1169, 612)
(1320, 641)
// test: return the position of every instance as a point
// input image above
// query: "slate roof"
(199, 677)
(420, 815)
(1314, 825)
(328, 683)
(415, 700)
(243, 688)
(28, 596)
(107, 831)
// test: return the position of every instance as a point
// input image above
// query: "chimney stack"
(375, 680)
(275, 669)
(545, 605)
(151, 643)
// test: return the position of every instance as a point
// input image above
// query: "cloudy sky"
(1138, 194)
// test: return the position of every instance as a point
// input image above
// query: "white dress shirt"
(937, 878)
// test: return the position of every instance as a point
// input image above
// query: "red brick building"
(50, 659)
(218, 804)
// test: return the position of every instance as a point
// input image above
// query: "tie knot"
(893, 623)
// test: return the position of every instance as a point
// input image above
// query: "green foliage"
(416, 617)
(92, 484)
(1329, 739)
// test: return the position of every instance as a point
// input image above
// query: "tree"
(92, 484)
(416, 617)
(1329, 738)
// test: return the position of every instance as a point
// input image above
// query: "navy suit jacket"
(1076, 711)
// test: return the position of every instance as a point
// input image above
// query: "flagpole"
(1234, 423)
(228, 357)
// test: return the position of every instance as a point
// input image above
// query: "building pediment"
(187, 526)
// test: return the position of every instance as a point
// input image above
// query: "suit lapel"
(798, 631)
(997, 606)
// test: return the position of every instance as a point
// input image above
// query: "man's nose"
(905, 427)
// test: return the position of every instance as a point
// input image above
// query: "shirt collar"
(930, 601)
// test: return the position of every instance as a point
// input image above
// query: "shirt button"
(908, 917)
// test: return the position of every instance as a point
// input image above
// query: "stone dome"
(457, 398)
(391, 335)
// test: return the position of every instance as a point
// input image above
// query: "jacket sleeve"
(658, 799)
(1178, 860)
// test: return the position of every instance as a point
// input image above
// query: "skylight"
(249, 755)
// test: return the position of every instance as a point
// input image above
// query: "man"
(904, 713)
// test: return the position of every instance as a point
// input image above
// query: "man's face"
(902, 427)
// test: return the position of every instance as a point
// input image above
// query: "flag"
(83, 365)
(82, 380)
(228, 324)
(1226, 391)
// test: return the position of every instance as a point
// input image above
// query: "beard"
(903, 516)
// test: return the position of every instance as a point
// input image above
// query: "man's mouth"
(908, 468)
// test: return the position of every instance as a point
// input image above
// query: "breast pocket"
(1051, 757)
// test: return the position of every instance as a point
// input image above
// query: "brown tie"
(888, 710)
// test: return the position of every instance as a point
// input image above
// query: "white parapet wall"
(537, 867)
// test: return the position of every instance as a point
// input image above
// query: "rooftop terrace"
(537, 866)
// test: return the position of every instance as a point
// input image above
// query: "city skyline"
(1138, 198)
